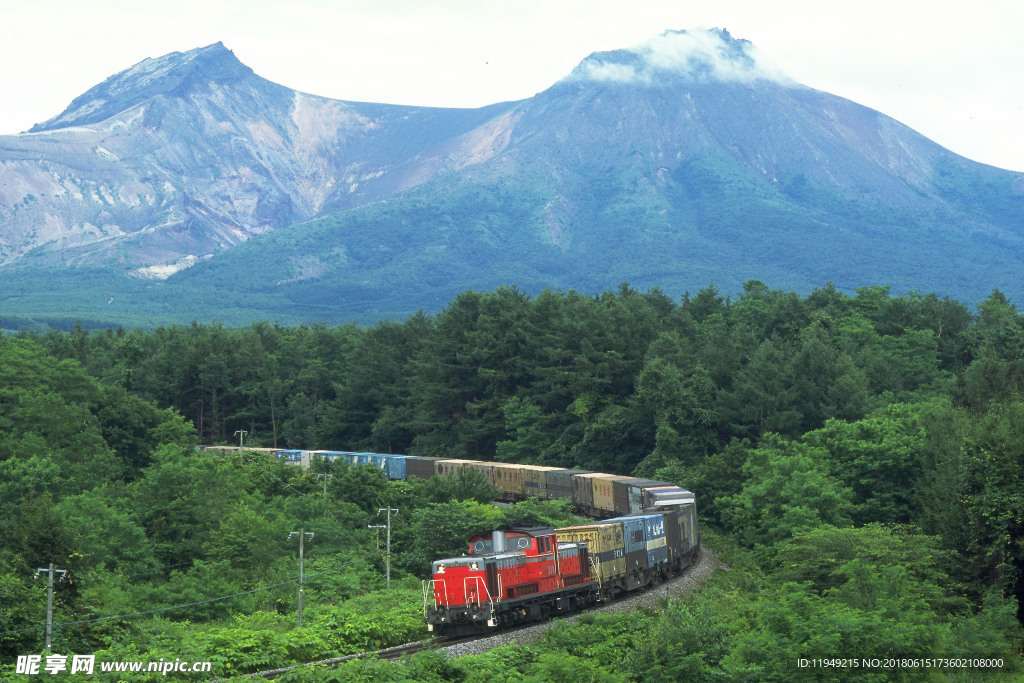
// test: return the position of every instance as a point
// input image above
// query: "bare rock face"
(188, 154)
(679, 162)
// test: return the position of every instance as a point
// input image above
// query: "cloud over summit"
(698, 54)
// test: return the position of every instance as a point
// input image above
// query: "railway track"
(391, 654)
(692, 576)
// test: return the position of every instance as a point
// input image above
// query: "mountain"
(677, 163)
(186, 155)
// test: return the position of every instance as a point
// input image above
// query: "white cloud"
(698, 54)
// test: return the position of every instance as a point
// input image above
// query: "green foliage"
(443, 530)
(976, 465)
(181, 495)
(800, 423)
(828, 557)
(719, 478)
(465, 485)
(788, 488)
(875, 458)
(536, 512)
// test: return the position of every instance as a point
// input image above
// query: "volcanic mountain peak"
(701, 55)
(151, 77)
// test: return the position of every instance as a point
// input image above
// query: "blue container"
(633, 532)
(289, 455)
(394, 465)
(655, 539)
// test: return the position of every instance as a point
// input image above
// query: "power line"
(190, 604)
(258, 463)
(94, 577)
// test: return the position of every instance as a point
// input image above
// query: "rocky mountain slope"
(677, 163)
(183, 156)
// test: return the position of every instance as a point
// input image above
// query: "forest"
(858, 463)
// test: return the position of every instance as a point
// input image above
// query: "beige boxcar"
(604, 493)
(448, 467)
(606, 548)
(509, 478)
(484, 468)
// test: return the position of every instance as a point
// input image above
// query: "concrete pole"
(50, 571)
(302, 548)
(389, 510)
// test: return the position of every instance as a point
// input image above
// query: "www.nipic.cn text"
(87, 664)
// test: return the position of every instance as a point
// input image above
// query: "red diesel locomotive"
(510, 575)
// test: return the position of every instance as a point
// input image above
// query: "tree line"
(883, 432)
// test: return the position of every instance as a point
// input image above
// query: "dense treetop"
(862, 454)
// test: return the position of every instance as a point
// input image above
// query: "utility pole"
(325, 477)
(49, 597)
(302, 533)
(389, 511)
(240, 433)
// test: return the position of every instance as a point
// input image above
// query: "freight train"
(646, 532)
(520, 574)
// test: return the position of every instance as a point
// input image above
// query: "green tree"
(788, 488)
(877, 458)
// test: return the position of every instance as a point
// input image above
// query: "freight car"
(591, 493)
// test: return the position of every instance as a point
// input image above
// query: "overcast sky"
(952, 71)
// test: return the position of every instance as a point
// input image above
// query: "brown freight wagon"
(585, 490)
(420, 466)
(604, 499)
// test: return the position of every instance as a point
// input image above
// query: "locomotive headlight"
(440, 569)
(474, 567)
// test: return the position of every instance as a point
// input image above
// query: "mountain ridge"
(171, 74)
(685, 160)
